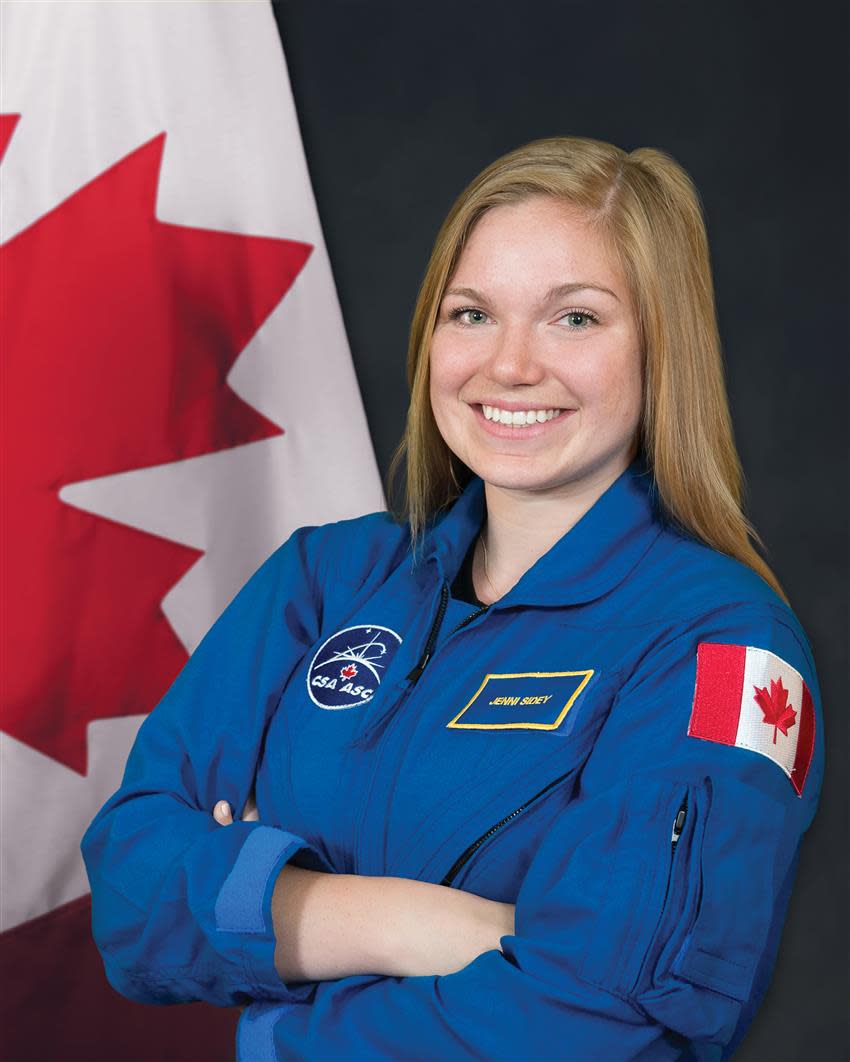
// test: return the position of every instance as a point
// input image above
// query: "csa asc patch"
(753, 699)
(347, 669)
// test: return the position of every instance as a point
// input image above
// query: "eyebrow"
(559, 291)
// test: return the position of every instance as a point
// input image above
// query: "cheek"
(614, 382)
(442, 388)
(448, 370)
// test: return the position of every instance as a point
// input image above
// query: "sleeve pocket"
(700, 968)
(673, 921)
(650, 885)
(738, 875)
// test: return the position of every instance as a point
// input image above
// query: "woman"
(532, 763)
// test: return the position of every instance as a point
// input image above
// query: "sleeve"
(181, 907)
(648, 920)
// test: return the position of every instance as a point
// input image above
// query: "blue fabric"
(255, 1036)
(239, 907)
(625, 945)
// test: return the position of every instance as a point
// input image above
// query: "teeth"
(520, 418)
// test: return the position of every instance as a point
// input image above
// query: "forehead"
(537, 240)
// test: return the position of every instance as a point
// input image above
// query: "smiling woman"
(596, 213)
(538, 385)
(513, 749)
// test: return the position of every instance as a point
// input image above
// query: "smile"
(518, 423)
(519, 418)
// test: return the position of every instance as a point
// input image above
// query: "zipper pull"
(413, 677)
(679, 823)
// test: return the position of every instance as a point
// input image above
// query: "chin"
(507, 478)
(520, 475)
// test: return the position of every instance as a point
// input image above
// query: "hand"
(223, 814)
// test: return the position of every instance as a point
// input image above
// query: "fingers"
(222, 813)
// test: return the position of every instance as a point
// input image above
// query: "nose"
(514, 360)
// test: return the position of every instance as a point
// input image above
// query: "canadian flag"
(753, 699)
(178, 397)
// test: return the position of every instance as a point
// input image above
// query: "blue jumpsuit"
(627, 745)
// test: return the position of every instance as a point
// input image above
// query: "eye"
(580, 320)
(476, 316)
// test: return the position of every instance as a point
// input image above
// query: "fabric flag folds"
(178, 396)
(754, 699)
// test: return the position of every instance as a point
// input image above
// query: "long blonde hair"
(646, 205)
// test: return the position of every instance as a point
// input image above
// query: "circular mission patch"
(347, 669)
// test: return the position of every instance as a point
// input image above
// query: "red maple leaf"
(777, 712)
(349, 671)
(118, 333)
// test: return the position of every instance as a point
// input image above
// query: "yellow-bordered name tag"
(532, 700)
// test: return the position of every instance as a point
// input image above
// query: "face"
(538, 318)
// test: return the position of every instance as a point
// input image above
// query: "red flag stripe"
(719, 692)
(805, 742)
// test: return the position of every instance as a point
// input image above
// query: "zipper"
(414, 675)
(469, 619)
(412, 678)
(655, 948)
(679, 825)
(473, 848)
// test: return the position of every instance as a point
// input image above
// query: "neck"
(521, 526)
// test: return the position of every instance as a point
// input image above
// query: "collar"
(596, 554)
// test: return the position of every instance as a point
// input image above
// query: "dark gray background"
(400, 105)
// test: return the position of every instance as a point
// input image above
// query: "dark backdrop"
(400, 105)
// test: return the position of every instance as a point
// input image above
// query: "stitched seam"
(741, 744)
(778, 614)
(721, 959)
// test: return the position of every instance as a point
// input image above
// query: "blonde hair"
(646, 205)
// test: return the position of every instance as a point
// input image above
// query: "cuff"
(255, 1032)
(244, 904)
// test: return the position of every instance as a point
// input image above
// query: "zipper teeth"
(472, 849)
(438, 622)
(683, 809)
(413, 676)
(469, 619)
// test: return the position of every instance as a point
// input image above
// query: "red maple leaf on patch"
(777, 712)
(349, 671)
(118, 333)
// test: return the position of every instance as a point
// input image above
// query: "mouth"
(528, 422)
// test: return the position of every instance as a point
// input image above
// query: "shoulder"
(723, 659)
(350, 550)
(693, 594)
(682, 584)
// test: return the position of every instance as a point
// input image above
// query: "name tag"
(532, 700)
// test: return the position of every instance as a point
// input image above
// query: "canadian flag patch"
(754, 699)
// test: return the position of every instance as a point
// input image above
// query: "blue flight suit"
(535, 752)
